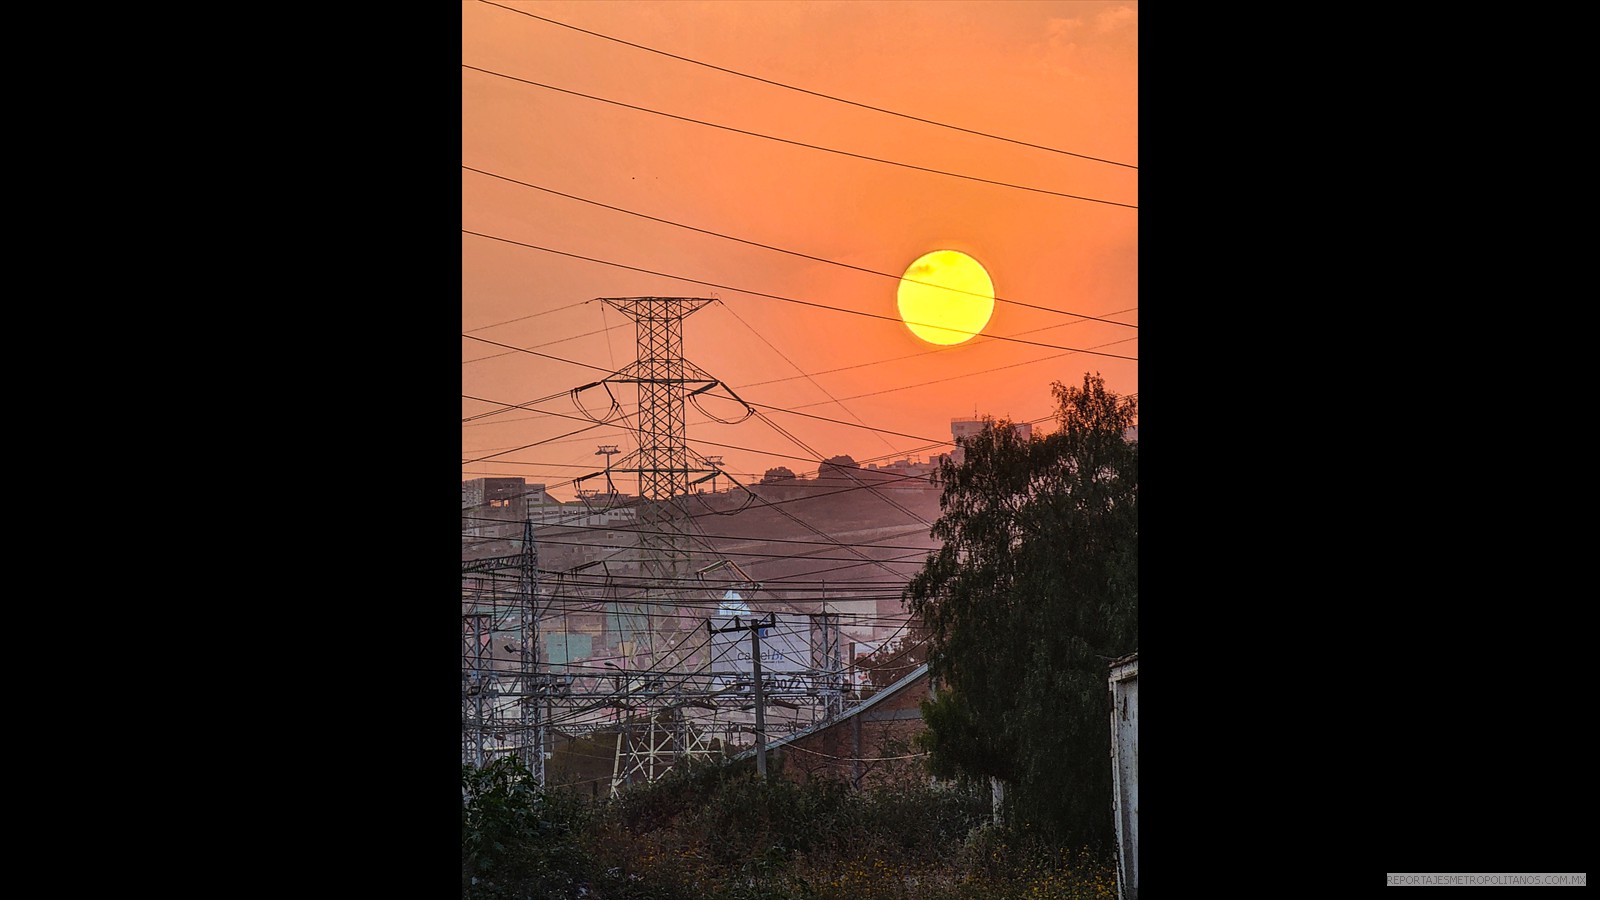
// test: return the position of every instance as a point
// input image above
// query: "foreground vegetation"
(716, 832)
(1033, 589)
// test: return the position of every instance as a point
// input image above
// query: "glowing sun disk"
(945, 297)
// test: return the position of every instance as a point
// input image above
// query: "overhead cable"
(890, 162)
(854, 312)
(813, 93)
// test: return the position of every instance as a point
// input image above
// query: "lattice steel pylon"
(475, 685)
(663, 460)
(826, 660)
(665, 465)
(531, 744)
(667, 468)
(481, 713)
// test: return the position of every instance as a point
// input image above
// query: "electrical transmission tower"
(826, 660)
(480, 713)
(665, 465)
(475, 686)
(509, 702)
(666, 469)
(531, 744)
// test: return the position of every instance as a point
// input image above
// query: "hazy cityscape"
(828, 552)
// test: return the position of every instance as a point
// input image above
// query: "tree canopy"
(842, 461)
(1032, 594)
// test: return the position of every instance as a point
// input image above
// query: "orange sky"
(1062, 75)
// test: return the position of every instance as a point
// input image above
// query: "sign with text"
(785, 645)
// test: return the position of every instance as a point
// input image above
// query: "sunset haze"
(705, 150)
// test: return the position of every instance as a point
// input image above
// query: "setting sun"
(946, 297)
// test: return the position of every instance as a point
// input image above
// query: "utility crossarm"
(490, 562)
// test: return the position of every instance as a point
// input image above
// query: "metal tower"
(665, 465)
(480, 713)
(474, 686)
(531, 700)
(666, 468)
(826, 660)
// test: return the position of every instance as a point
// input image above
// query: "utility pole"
(754, 628)
(761, 706)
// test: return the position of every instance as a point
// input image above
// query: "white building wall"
(1125, 768)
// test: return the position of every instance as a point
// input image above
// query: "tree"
(776, 474)
(1034, 591)
(835, 465)
(895, 659)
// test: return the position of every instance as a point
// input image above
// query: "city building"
(961, 428)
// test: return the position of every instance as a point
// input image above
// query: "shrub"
(518, 839)
(714, 831)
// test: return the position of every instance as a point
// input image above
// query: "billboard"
(785, 646)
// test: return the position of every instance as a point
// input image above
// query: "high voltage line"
(626, 530)
(854, 312)
(810, 92)
(811, 375)
(786, 557)
(769, 137)
(830, 262)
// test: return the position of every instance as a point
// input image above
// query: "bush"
(517, 839)
(714, 831)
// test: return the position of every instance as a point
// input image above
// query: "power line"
(774, 453)
(822, 534)
(490, 456)
(810, 375)
(839, 400)
(797, 368)
(875, 489)
(808, 556)
(769, 137)
(801, 476)
(580, 606)
(908, 387)
(791, 411)
(713, 443)
(830, 262)
(877, 362)
(497, 412)
(771, 504)
(760, 406)
(529, 316)
(814, 93)
(931, 443)
(786, 743)
(545, 344)
(945, 349)
(533, 352)
(590, 602)
(729, 287)
(546, 529)
(842, 422)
